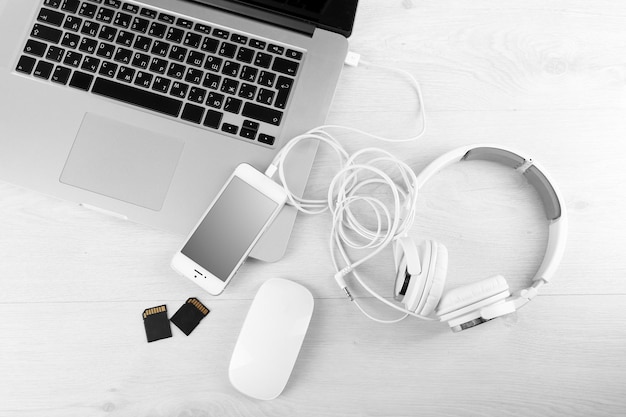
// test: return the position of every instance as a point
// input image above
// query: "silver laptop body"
(135, 162)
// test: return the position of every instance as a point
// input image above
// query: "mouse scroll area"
(270, 339)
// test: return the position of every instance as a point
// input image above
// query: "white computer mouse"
(270, 339)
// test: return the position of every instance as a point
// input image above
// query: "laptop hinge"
(273, 18)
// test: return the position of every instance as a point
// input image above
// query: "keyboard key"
(249, 74)
(192, 40)
(90, 64)
(192, 113)
(232, 105)
(123, 55)
(90, 28)
(228, 50)
(245, 55)
(46, 33)
(265, 96)
(107, 33)
(285, 66)
(176, 71)
(267, 79)
(52, 3)
(215, 100)
(123, 20)
(257, 44)
(105, 50)
(55, 53)
(148, 13)
(179, 89)
(70, 6)
(126, 74)
(35, 48)
(267, 139)
(184, 23)
(247, 91)
(275, 49)
(81, 80)
(88, 45)
(73, 59)
(283, 86)
(160, 48)
(210, 44)
(143, 79)
(125, 38)
(196, 58)
(73, 23)
(293, 54)
(220, 33)
(142, 43)
(88, 10)
(235, 37)
(140, 25)
(249, 124)
(161, 84)
(197, 94)
(212, 81)
(231, 68)
(141, 60)
(262, 113)
(108, 69)
(157, 30)
(228, 128)
(229, 86)
(175, 35)
(213, 119)
(178, 53)
(167, 18)
(51, 17)
(113, 3)
(263, 60)
(213, 63)
(61, 75)
(26, 64)
(202, 28)
(194, 76)
(105, 15)
(130, 8)
(247, 133)
(70, 40)
(138, 97)
(158, 65)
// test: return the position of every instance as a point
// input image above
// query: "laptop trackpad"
(122, 161)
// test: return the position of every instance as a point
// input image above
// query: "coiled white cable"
(358, 173)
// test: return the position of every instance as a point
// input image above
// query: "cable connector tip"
(352, 59)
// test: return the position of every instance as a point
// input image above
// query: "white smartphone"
(228, 230)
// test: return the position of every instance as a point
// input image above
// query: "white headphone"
(421, 267)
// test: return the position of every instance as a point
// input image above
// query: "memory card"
(156, 323)
(189, 315)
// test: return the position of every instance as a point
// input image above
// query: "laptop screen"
(333, 15)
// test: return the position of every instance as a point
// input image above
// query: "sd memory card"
(189, 315)
(156, 323)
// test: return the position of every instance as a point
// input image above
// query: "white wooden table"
(547, 78)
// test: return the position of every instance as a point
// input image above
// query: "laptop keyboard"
(194, 71)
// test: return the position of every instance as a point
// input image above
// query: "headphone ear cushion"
(437, 275)
(467, 295)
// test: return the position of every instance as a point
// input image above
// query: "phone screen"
(229, 228)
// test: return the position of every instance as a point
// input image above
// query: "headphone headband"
(537, 177)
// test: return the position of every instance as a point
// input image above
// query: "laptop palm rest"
(122, 161)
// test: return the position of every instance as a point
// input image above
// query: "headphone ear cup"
(437, 277)
(421, 274)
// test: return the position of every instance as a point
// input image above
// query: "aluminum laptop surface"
(79, 141)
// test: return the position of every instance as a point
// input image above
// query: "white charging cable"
(358, 174)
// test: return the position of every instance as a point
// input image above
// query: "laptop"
(142, 109)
